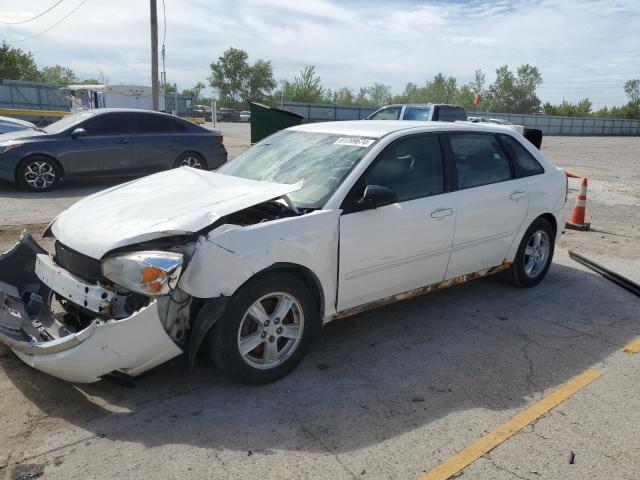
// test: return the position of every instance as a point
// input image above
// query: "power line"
(37, 16)
(52, 26)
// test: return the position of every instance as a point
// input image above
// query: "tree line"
(238, 82)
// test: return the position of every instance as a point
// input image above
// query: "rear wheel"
(38, 173)
(191, 159)
(534, 255)
(266, 330)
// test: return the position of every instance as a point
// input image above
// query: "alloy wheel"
(40, 175)
(270, 330)
(536, 253)
(190, 161)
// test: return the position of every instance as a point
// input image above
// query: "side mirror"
(79, 132)
(376, 196)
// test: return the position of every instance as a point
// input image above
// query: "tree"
(229, 74)
(515, 94)
(305, 88)
(169, 88)
(379, 94)
(632, 90)
(194, 92)
(477, 84)
(16, 64)
(238, 82)
(568, 109)
(260, 82)
(58, 74)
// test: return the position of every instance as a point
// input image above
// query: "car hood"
(176, 202)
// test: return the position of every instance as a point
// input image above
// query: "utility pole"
(154, 55)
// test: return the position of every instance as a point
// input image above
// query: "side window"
(149, 123)
(107, 124)
(450, 114)
(416, 113)
(479, 160)
(412, 167)
(527, 164)
(391, 113)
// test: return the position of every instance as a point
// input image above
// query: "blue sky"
(583, 49)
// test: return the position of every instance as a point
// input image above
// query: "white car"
(314, 223)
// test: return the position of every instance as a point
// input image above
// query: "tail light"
(218, 138)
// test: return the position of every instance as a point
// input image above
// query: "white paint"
(394, 249)
(71, 287)
(178, 201)
(230, 255)
(132, 345)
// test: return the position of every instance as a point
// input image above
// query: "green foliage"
(16, 64)
(260, 82)
(239, 83)
(58, 74)
(632, 90)
(514, 93)
(195, 92)
(568, 109)
(169, 88)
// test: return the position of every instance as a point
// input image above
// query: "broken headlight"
(150, 273)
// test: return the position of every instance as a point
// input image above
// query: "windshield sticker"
(355, 142)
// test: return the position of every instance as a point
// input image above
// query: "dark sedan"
(107, 142)
(228, 115)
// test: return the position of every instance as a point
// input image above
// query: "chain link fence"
(550, 125)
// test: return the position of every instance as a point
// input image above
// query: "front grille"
(85, 267)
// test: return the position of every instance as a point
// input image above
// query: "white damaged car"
(314, 223)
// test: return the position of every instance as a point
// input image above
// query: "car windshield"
(67, 122)
(320, 160)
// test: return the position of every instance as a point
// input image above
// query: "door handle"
(518, 194)
(123, 140)
(442, 212)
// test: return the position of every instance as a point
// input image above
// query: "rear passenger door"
(491, 202)
(156, 142)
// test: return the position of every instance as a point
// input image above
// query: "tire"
(262, 364)
(191, 159)
(531, 266)
(38, 173)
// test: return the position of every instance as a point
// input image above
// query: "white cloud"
(582, 48)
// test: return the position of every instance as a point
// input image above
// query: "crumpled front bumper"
(27, 325)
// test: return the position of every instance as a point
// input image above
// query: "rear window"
(526, 163)
(450, 114)
(417, 113)
(479, 160)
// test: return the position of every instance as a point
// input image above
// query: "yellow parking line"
(632, 347)
(491, 440)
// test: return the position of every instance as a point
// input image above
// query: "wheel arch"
(551, 219)
(39, 154)
(211, 310)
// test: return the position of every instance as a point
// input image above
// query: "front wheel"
(266, 330)
(534, 255)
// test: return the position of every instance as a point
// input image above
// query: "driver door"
(105, 150)
(403, 246)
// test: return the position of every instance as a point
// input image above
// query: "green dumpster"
(267, 120)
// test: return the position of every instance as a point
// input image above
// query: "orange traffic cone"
(576, 220)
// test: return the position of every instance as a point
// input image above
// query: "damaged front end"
(74, 329)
